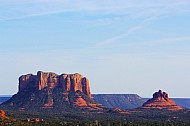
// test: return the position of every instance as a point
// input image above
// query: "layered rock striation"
(48, 91)
(161, 100)
(68, 82)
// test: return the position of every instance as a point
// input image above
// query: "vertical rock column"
(68, 82)
(42, 79)
(27, 81)
(86, 87)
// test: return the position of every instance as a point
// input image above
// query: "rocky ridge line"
(68, 82)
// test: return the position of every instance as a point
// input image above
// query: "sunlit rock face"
(3, 115)
(68, 82)
(47, 91)
(161, 100)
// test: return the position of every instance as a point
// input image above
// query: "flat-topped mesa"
(68, 82)
(161, 100)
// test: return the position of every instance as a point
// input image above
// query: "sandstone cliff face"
(52, 92)
(68, 82)
(161, 100)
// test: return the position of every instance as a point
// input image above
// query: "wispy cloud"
(118, 37)
(172, 40)
(132, 8)
(134, 29)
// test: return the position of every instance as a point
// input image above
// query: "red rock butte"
(68, 82)
(161, 100)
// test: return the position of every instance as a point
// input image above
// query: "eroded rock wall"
(68, 82)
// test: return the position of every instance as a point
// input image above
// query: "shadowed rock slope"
(48, 91)
(117, 101)
(122, 101)
(161, 100)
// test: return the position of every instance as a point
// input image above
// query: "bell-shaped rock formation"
(161, 100)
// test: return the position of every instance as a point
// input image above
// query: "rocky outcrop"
(68, 82)
(117, 110)
(51, 92)
(161, 100)
(3, 115)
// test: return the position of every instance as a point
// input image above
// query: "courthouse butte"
(47, 90)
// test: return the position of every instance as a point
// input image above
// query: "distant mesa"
(4, 98)
(161, 100)
(47, 90)
(122, 101)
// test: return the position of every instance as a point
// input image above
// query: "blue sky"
(125, 46)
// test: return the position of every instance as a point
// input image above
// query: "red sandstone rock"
(3, 115)
(69, 82)
(118, 110)
(161, 100)
(80, 102)
(27, 81)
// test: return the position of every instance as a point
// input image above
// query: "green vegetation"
(27, 108)
(138, 117)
